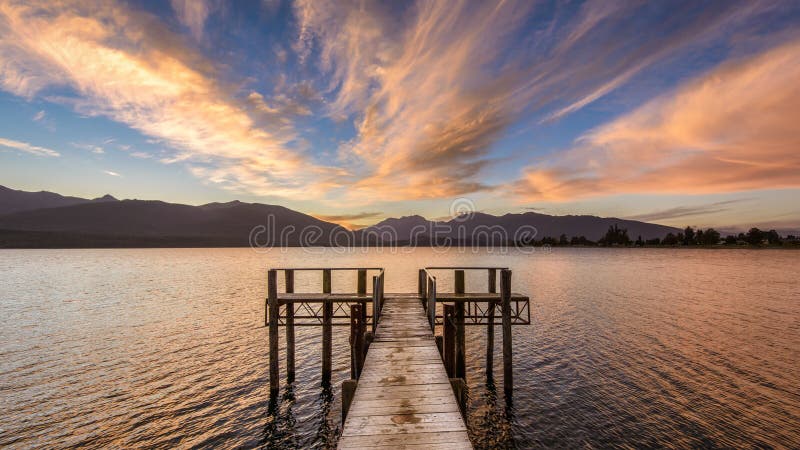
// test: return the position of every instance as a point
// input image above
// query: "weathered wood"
(422, 285)
(376, 310)
(508, 376)
(490, 326)
(348, 392)
(459, 282)
(362, 282)
(449, 333)
(357, 329)
(327, 341)
(404, 398)
(460, 368)
(290, 340)
(326, 281)
(272, 299)
(431, 310)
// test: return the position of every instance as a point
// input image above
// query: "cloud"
(192, 14)
(433, 88)
(113, 174)
(39, 116)
(687, 211)
(127, 66)
(96, 149)
(28, 148)
(731, 129)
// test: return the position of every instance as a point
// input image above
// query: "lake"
(628, 347)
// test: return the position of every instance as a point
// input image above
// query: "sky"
(680, 113)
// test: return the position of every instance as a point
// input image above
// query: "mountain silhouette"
(46, 219)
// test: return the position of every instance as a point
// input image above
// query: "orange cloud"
(433, 90)
(127, 66)
(732, 129)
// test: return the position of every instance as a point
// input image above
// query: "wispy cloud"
(39, 116)
(112, 173)
(433, 90)
(28, 148)
(732, 129)
(96, 149)
(127, 66)
(192, 14)
(688, 211)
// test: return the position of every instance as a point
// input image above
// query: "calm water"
(165, 348)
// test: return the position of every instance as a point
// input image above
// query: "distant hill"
(12, 200)
(46, 219)
(486, 226)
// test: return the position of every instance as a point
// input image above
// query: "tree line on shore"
(618, 237)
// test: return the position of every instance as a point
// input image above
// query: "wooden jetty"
(407, 385)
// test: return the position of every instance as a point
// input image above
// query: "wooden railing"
(452, 340)
(358, 316)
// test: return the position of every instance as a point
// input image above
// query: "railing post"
(290, 341)
(327, 340)
(449, 333)
(326, 281)
(490, 325)
(422, 286)
(272, 300)
(432, 303)
(461, 357)
(505, 293)
(356, 341)
(376, 310)
(459, 282)
(362, 281)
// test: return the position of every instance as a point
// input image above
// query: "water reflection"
(637, 348)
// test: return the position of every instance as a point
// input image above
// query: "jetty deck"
(404, 398)
(407, 385)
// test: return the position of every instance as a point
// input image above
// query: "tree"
(754, 236)
(730, 240)
(639, 241)
(773, 237)
(670, 239)
(688, 236)
(616, 236)
(710, 237)
(654, 241)
(562, 240)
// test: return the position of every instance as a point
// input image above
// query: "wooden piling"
(356, 341)
(461, 356)
(490, 325)
(505, 294)
(449, 333)
(459, 282)
(376, 309)
(432, 304)
(327, 340)
(422, 286)
(348, 392)
(290, 341)
(272, 299)
(362, 282)
(326, 281)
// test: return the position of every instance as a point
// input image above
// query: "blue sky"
(682, 113)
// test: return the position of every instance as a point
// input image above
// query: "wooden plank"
(441, 440)
(404, 398)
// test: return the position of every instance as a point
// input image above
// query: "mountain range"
(49, 220)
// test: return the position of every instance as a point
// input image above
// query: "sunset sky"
(681, 113)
